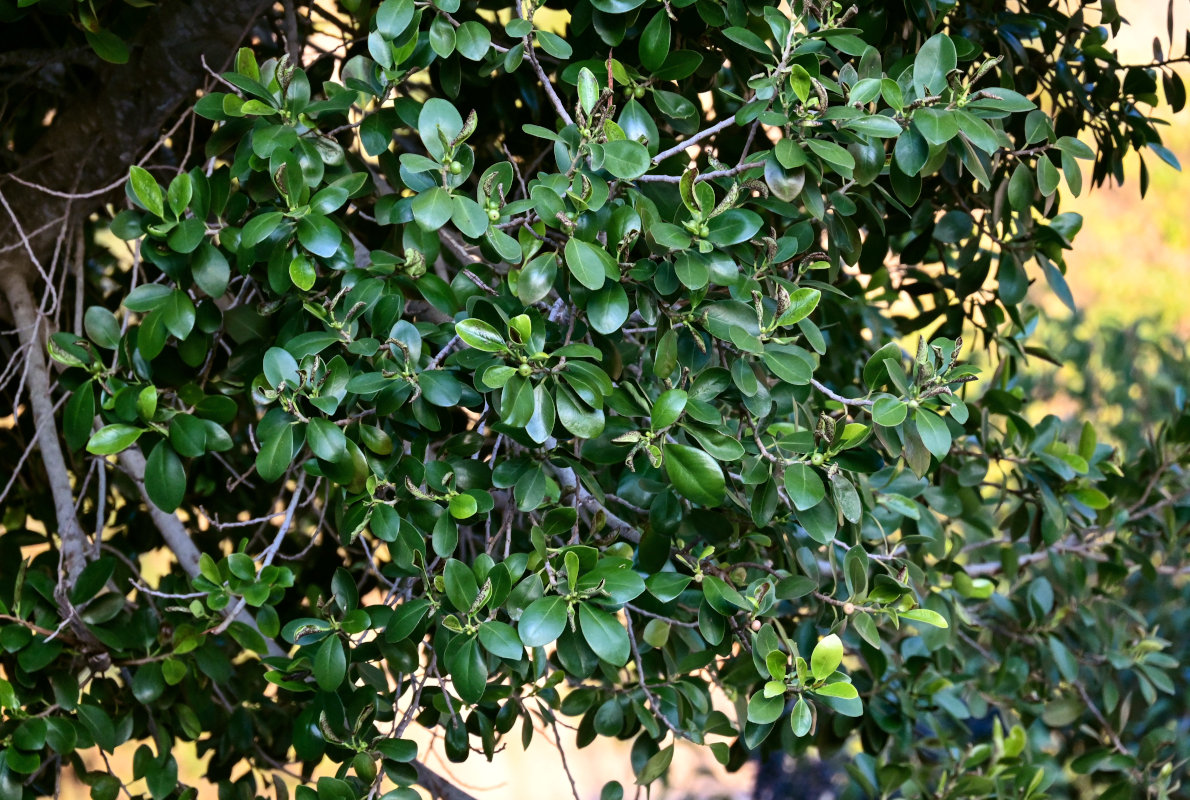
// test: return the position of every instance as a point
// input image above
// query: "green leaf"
(695, 474)
(625, 159)
(460, 583)
(605, 635)
(393, 17)
(319, 235)
(473, 40)
(481, 336)
(841, 689)
(801, 719)
(326, 440)
(576, 417)
(590, 265)
(178, 314)
(875, 370)
(165, 478)
(935, 435)
(210, 270)
(108, 46)
(831, 153)
(112, 439)
(588, 90)
(101, 327)
(91, 580)
(463, 506)
(656, 766)
(442, 37)
(500, 639)
(846, 498)
(735, 225)
(555, 45)
(432, 208)
(145, 187)
(260, 228)
(827, 656)
(543, 621)
(302, 272)
(78, 416)
(765, 710)
(935, 125)
(889, 411)
(654, 42)
(438, 120)
(936, 58)
(330, 664)
(801, 303)
(276, 453)
(926, 617)
(668, 408)
(1047, 176)
(804, 486)
(608, 309)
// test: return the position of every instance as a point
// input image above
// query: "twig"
(562, 753)
(176, 537)
(269, 554)
(640, 679)
(847, 401)
(706, 176)
(559, 106)
(437, 360)
(695, 139)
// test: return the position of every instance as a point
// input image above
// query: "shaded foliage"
(466, 392)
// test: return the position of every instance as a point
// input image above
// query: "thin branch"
(176, 537)
(640, 679)
(838, 398)
(559, 106)
(705, 176)
(270, 552)
(695, 139)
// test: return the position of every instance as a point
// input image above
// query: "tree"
(481, 365)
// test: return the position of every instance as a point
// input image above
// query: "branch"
(838, 398)
(438, 786)
(567, 480)
(269, 554)
(28, 322)
(177, 538)
(559, 106)
(695, 139)
(705, 176)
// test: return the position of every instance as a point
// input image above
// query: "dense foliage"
(649, 367)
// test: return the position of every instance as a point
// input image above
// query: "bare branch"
(24, 309)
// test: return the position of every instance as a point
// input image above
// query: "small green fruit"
(493, 214)
(817, 459)
(524, 370)
(455, 168)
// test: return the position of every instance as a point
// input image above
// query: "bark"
(100, 134)
(29, 325)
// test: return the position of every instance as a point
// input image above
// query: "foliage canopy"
(651, 366)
